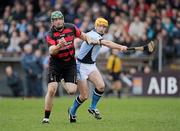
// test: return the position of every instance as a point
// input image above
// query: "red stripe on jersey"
(72, 52)
(67, 47)
(56, 34)
(69, 38)
(69, 33)
(50, 41)
(78, 32)
(66, 54)
(67, 30)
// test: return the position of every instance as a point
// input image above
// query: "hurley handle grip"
(131, 48)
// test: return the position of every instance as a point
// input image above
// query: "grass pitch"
(127, 114)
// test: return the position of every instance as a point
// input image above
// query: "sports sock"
(95, 98)
(119, 94)
(76, 104)
(47, 114)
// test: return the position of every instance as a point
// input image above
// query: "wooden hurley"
(149, 47)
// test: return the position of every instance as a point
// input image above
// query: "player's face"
(101, 29)
(58, 22)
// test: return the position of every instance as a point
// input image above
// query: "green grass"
(127, 114)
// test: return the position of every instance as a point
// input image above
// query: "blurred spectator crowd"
(131, 23)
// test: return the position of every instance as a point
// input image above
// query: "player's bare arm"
(113, 45)
(54, 49)
(89, 40)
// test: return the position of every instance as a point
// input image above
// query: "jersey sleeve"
(49, 40)
(77, 31)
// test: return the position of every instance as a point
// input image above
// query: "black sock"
(47, 114)
(98, 92)
(119, 94)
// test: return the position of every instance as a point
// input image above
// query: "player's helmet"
(101, 21)
(56, 14)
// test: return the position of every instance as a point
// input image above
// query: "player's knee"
(101, 87)
(71, 91)
(52, 91)
(84, 97)
(71, 88)
(52, 87)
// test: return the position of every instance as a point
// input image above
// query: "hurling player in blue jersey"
(87, 70)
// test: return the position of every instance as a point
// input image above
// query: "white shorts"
(84, 70)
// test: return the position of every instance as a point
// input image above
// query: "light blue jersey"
(88, 52)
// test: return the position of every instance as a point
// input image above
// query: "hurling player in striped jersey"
(62, 62)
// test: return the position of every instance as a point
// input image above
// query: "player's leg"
(69, 84)
(52, 88)
(97, 79)
(117, 87)
(69, 87)
(83, 89)
(84, 94)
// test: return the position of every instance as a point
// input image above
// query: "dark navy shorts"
(61, 69)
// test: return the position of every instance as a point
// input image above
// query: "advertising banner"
(157, 84)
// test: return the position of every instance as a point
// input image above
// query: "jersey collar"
(97, 32)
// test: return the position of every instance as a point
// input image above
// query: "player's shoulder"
(49, 33)
(90, 32)
(94, 34)
(69, 25)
